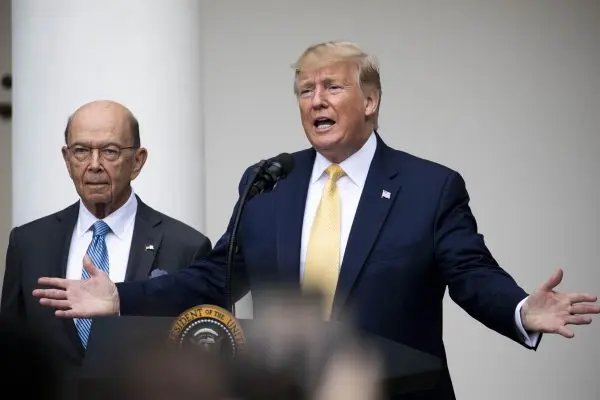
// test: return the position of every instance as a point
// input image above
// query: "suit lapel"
(290, 205)
(66, 223)
(144, 244)
(378, 195)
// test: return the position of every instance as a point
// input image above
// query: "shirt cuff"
(529, 338)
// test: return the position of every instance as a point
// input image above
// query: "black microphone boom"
(267, 173)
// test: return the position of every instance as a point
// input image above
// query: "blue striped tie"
(98, 252)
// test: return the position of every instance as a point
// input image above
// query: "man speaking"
(379, 232)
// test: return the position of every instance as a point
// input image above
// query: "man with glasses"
(110, 224)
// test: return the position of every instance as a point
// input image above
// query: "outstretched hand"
(549, 311)
(87, 298)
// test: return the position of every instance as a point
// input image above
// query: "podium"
(114, 339)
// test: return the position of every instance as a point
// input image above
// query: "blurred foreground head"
(294, 354)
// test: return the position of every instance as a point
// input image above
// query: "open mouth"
(323, 124)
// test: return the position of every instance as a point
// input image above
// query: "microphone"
(266, 176)
(270, 173)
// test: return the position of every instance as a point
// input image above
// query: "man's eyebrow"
(311, 83)
(306, 83)
(329, 80)
(88, 145)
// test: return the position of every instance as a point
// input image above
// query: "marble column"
(145, 54)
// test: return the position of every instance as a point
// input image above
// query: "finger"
(578, 320)
(554, 280)
(565, 332)
(60, 304)
(582, 297)
(57, 282)
(50, 293)
(89, 266)
(585, 309)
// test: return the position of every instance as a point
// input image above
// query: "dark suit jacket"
(402, 254)
(41, 248)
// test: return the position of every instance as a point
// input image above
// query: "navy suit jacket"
(402, 254)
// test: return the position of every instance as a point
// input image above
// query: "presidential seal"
(210, 329)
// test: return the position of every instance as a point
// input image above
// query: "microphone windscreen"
(286, 163)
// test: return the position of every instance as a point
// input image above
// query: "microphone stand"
(232, 243)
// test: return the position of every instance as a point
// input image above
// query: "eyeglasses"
(108, 153)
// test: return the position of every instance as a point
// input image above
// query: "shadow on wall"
(6, 107)
(5, 179)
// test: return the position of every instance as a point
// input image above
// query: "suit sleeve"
(475, 280)
(203, 250)
(12, 304)
(202, 282)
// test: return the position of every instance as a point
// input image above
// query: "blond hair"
(327, 53)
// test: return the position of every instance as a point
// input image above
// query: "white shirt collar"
(356, 166)
(118, 221)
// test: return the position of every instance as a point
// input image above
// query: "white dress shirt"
(118, 240)
(350, 188)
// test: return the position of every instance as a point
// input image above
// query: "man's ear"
(139, 159)
(372, 99)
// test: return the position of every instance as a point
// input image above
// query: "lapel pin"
(149, 247)
(385, 194)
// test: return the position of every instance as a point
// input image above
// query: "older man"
(379, 232)
(124, 236)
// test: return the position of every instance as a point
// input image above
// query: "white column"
(144, 54)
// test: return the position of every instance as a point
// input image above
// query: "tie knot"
(100, 228)
(335, 172)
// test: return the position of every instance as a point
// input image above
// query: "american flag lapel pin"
(385, 194)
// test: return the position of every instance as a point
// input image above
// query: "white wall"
(508, 93)
(5, 137)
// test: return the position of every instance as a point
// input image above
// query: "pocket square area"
(157, 272)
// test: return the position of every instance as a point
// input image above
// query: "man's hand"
(549, 311)
(87, 298)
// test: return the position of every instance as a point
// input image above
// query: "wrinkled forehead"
(320, 73)
(99, 125)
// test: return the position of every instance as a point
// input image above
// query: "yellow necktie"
(322, 265)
